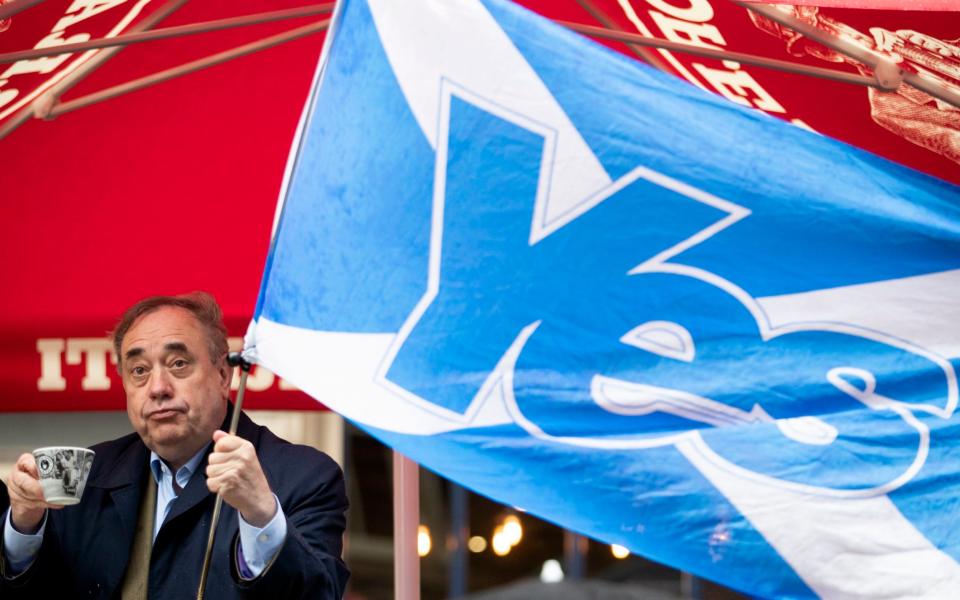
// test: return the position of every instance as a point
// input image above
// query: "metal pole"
(49, 98)
(235, 359)
(747, 59)
(406, 520)
(574, 555)
(691, 587)
(168, 32)
(209, 61)
(459, 532)
(886, 72)
(12, 7)
(642, 53)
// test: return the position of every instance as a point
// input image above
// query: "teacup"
(63, 472)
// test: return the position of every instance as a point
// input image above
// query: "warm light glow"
(477, 544)
(512, 529)
(551, 572)
(500, 544)
(423, 540)
(619, 551)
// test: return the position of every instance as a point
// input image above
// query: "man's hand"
(234, 472)
(27, 505)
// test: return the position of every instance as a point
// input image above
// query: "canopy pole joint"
(889, 76)
(43, 107)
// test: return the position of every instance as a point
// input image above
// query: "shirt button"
(263, 537)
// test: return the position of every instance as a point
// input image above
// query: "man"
(141, 527)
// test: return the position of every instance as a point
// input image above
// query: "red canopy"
(166, 190)
(172, 188)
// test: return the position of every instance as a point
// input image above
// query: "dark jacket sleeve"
(311, 490)
(44, 578)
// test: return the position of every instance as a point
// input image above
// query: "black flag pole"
(234, 359)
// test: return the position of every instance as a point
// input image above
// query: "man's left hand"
(234, 472)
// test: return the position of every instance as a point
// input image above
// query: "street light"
(423, 541)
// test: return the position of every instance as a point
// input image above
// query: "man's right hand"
(27, 505)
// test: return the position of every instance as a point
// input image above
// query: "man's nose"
(160, 386)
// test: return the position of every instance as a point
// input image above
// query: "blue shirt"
(258, 545)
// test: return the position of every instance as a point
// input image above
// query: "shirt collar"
(157, 467)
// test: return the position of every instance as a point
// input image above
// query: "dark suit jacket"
(4, 499)
(86, 547)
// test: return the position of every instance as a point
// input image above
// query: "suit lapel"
(120, 484)
(123, 481)
(127, 502)
(192, 495)
(196, 491)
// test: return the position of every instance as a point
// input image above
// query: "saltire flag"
(584, 288)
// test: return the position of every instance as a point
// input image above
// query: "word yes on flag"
(590, 290)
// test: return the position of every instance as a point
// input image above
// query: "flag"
(648, 314)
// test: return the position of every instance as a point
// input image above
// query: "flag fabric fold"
(587, 289)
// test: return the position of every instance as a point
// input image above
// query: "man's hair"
(200, 304)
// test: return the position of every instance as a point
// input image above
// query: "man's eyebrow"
(176, 347)
(132, 352)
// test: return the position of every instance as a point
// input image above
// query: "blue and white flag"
(587, 289)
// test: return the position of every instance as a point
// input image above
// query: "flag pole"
(234, 359)
(406, 519)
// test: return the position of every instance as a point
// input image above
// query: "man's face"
(176, 395)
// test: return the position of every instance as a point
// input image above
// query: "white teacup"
(63, 472)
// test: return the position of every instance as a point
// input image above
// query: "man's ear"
(226, 375)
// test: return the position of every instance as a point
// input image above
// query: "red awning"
(162, 191)
(172, 188)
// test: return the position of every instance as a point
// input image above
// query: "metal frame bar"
(49, 98)
(748, 59)
(12, 7)
(887, 76)
(168, 32)
(642, 53)
(57, 109)
(887, 73)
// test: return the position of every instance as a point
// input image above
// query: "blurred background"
(501, 552)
